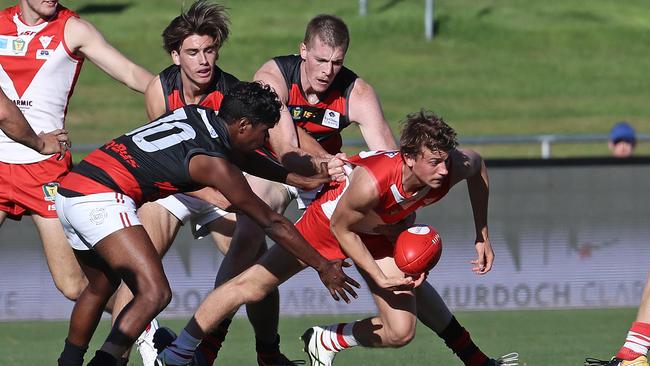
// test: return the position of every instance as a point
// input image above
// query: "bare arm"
(284, 137)
(16, 127)
(470, 166)
(366, 111)
(355, 204)
(228, 179)
(155, 99)
(83, 37)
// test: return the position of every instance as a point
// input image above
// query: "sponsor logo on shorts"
(331, 118)
(49, 191)
(98, 215)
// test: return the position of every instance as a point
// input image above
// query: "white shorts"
(197, 211)
(88, 219)
(303, 198)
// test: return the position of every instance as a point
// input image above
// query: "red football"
(417, 249)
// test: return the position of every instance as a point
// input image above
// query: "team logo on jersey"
(98, 215)
(296, 113)
(331, 118)
(43, 54)
(18, 45)
(45, 40)
(49, 191)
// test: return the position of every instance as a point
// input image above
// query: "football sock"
(460, 342)
(268, 353)
(103, 359)
(211, 344)
(72, 355)
(182, 350)
(338, 337)
(636, 342)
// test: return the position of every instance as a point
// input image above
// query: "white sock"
(338, 337)
(182, 350)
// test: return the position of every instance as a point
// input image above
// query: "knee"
(400, 336)
(72, 288)
(157, 297)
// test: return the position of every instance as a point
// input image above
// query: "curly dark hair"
(202, 18)
(330, 29)
(425, 129)
(256, 101)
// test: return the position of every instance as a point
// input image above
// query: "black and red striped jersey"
(325, 120)
(152, 161)
(172, 86)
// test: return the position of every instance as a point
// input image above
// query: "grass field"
(505, 67)
(543, 338)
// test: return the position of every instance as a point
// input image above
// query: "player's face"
(252, 137)
(321, 65)
(430, 167)
(196, 58)
(43, 8)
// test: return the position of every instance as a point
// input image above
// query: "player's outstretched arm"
(228, 179)
(355, 204)
(471, 167)
(284, 138)
(366, 111)
(16, 127)
(83, 37)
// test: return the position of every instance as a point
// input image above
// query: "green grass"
(543, 338)
(504, 67)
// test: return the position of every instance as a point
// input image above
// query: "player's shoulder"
(465, 163)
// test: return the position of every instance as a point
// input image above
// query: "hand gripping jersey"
(325, 120)
(394, 205)
(152, 161)
(38, 72)
(172, 86)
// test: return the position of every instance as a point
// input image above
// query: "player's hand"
(336, 281)
(336, 167)
(403, 283)
(419, 279)
(483, 263)
(213, 196)
(55, 142)
(310, 183)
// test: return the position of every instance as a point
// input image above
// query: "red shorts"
(30, 188)
(315, 228)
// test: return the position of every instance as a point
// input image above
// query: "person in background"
(622, 140)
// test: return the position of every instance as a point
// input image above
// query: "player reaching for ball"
(359, 220)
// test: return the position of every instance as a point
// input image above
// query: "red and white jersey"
(386, 167)
(38, 72)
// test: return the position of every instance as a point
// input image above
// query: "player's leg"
(252, 285)
(130, 252)
(88, 308)
(248, 245)
(66, 272)
(434, 313)
(635, 349)
(393, 327)
(162, 225)
(3, 217)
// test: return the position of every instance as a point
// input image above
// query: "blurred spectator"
(622, 140)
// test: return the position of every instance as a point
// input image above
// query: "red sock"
(211, 344)
(636, 342)
(460, 342)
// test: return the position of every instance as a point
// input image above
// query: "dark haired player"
(344, 221)
(182, 151)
